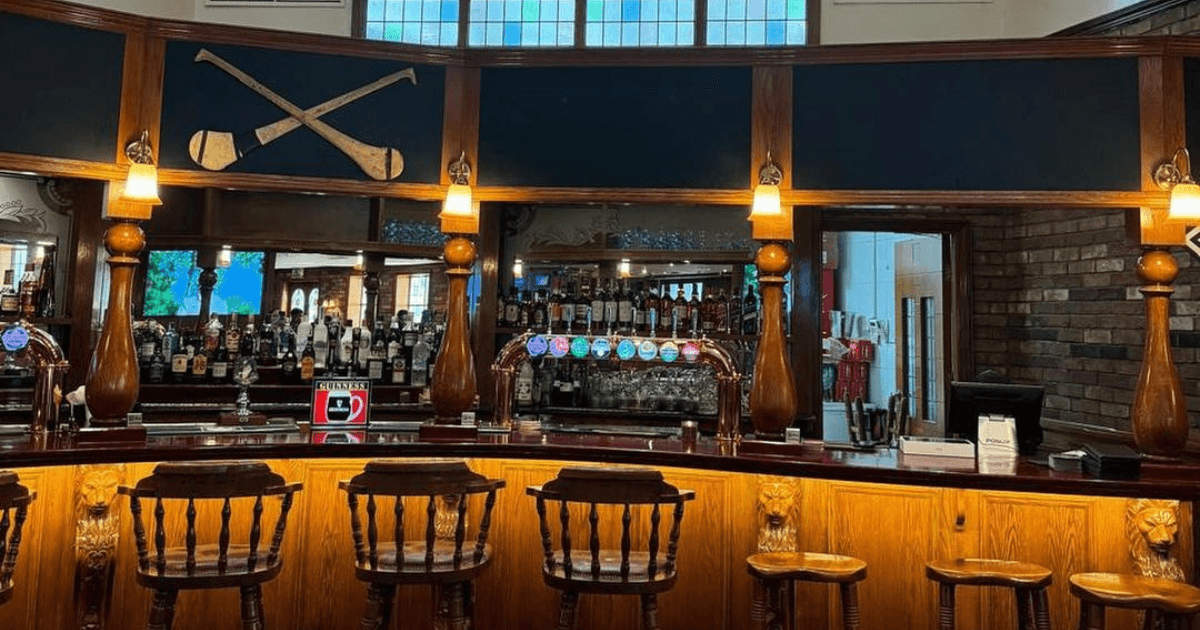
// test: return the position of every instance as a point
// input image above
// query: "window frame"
(812, 18)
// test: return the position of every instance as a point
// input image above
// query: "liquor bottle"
(348, 362)
(395, 341)
(750, 312)
(611, 307)
(625, 302)
(501, 309)
(158, 368)
(199, 370)
(282, 330)
(554, 306)
(364, 348)
(693, 311)
(525, 310)
(147, 344)
(335, 341)
(734, 312)
(721, 311)
(599, 299)
(398, 354)
(266, 344)
(233, 338)
(28, 288)
(583, 306)
(562, 393)
(250, 340)
(378, 354)
(524, 386)
(539, 310)
(303, 335)
(708, 312)
(213, 331)
(567, 321)
(679, 311)
(219, 366)
(181, 358)
(289, 364)
(512, 308)
(308, 362)
(653, 308)
(419, 370)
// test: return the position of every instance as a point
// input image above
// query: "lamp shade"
(142, 184)
(766, 202)
(1185, 202)
(459, 214)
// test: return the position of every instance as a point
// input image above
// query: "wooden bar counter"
(77, 561)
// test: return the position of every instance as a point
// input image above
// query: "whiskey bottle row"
(618, 309)
(300, 350)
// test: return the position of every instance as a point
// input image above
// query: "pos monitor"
(1023, 402)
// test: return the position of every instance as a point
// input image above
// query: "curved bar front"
(866, 504)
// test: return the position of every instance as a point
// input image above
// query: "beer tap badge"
(341, 401)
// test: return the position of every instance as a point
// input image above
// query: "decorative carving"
(588, 229)
(1152, 526)
(56, 193)
(446, 518)
(96, 536)
(778, 513)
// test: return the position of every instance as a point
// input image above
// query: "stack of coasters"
(1111, 461)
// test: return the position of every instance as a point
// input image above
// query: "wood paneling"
(1161, 105)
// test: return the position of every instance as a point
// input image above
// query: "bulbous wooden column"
(453, 389)
(1159, 414)
(773, 398)
(112, 381)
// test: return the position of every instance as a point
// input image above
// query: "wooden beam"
(1160, 95)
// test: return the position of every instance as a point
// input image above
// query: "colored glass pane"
(756, 23)
(428, 22)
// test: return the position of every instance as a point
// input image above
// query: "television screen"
(173, 284)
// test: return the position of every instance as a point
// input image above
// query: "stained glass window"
(427, 22)
(521, 23)
(640, 23)
(757, 23)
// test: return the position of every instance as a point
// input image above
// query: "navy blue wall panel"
(62, 89)
(683, 127)
(1191, 101)
(200, 96)
(980, 125)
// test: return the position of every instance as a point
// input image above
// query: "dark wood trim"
(358, 18)
(129, 123)
(484, 325)
(464, 22)
(301, 42)
(77, 15)
(812, 15)
(209, 213)
(1082, 47)
(580, 33)
(701, 23)
(87, 237)
(378, 211)
(1109, 22)
(288, 183)
(675, 196)
(1163, 120)
(961, 298)
(806, 317)
(978, 198)
(178, 241)
(460, 126)
(60, 167)
(771, 121)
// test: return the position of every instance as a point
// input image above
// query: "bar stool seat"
(440, 554)
(1168, 600)
(14, 504)
(207, 565)
(1029, 581)
(780, 571)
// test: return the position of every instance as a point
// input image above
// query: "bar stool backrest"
(188, 482)
(14, 507)
(610, 486)
(450, 481)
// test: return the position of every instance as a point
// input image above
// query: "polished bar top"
(883, 465)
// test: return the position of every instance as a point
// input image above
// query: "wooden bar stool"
(438, 557)
(169, 569)
(604, 571)
(1168, 604)
(780, 571)
(1028, 581)
(14, 503)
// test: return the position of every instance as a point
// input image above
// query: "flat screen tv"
(1024, 402)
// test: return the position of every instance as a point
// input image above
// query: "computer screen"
(1023, 402)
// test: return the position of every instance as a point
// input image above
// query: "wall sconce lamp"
(518, 268)
(625, 268)
(460, 214)
(142, 184)
(770, 222)
(1176, 176)
(225, 257)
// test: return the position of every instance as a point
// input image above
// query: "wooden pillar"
(453, 389)
(1159, 413)
(112, 382)
(773, 400)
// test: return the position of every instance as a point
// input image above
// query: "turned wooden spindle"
(453, 388)
(112, 381)
(1159, 413)
(773, 398)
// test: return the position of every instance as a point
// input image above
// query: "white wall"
(871, 21)
(171, 9)
(324, 20)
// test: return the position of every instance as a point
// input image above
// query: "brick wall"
(1183, 19)
(1056, 302)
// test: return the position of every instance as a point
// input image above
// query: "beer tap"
(50, 367)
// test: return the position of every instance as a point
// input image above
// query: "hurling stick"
(215, 150)
(379, 163)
